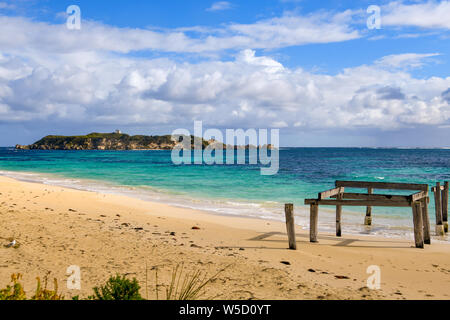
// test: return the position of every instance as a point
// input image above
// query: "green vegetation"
(103, 141)
(118, 288)
(183, 286)
(46, 294)
(15, 291)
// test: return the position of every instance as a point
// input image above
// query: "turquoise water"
(240, 189)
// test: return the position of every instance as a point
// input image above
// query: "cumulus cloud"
(429, 14)
(48, 73)
(248, 91)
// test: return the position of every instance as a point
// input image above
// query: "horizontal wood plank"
(419, 196)
(358, 203)
(382, 185)
(330, 193)
(366, 196)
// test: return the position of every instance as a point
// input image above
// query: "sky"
(326, 73)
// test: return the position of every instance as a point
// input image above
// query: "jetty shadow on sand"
(369, 243)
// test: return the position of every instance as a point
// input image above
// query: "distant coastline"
(101, 141)
(118, 141)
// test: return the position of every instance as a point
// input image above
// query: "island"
(116, 141)
(102, 141)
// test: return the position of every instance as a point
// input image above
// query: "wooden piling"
(338, 221)
(314, 219)
(290, 225)
(438, 209)
(339, 216)
(444, 200)
(418, 224)
(426, 222)
(368, 218)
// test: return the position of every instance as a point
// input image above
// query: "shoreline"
(225, 208)
(106, 234)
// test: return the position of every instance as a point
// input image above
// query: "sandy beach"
(108, 234)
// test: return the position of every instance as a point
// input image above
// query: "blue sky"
(311, 68)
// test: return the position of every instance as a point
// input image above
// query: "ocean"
(240, 190)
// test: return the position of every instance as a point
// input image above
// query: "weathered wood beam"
(368, 217)
(339, 217)
(418, 224)
(426, 222)
(359, 203)
(367, 196)
(290, 225)
(382, 185)
(313, 222)
(438, 209)
(418, 196)
(445, 206)
(330, 193)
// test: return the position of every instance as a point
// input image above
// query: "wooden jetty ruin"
(417, 201)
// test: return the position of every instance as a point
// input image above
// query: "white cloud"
(429, 14)
(269, 65)
(249, 91)
(50, 73)
(220, 6)
(413, 60)
(291, 29)
(288, 30)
